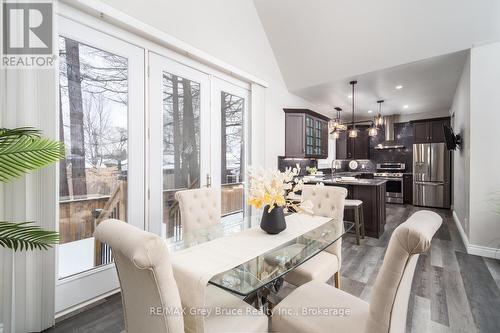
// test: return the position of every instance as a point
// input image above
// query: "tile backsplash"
(403, 133)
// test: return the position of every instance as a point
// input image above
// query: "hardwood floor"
(452, 291)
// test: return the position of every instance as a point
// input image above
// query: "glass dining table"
(256, 278)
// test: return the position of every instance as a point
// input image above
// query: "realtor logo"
(27, 34)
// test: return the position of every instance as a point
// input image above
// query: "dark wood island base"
(372, 193)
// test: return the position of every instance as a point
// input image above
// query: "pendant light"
(373, 130)
(378, 118)
(335, 123)
(336, 126)
(353, 132)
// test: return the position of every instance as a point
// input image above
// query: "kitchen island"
(371, 192)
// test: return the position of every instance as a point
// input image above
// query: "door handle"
(209, 180)
(429, 183)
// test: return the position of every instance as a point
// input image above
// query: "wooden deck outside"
(78, 218)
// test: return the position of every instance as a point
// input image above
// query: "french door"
(230, 142)
(179, 144)
(101, 121)
(197, 139)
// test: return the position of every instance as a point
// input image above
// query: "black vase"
(273, 222)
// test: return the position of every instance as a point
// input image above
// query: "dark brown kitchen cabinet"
(353, 148)
(341, 146)
(408, 188)
(436, 130)
(429, 130)
(374, 207)
(362, 144)
(420, 132)
(306, 134)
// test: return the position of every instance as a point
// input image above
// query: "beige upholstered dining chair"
(388, 307)
(200, 208)
(150, 297)
(327, 201)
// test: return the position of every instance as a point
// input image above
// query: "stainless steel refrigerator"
(431, 175)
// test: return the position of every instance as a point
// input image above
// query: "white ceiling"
(428, 86)
(320, 43)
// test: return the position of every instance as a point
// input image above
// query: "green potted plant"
(23, 150)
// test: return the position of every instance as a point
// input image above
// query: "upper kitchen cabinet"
(429, 130)
(362, 144)
(353, 148)
(306, 134)
(341, 151)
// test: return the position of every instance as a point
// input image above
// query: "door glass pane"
(181, 144)
(232, 154)
(93, 86)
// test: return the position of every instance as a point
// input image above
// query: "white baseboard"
(477, 250)
(483, 251)
(78, 307)
(465, 240)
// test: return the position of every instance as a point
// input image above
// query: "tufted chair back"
(391, 291)
(200, 208)
(327, 201)
(146, 278)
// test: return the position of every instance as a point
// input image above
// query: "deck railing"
(79, 217)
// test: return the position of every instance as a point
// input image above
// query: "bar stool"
(359, 220)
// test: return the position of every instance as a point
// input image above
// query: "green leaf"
(23, 150)
(23, 236)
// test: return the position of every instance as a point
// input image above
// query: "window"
(232, 153)
(181, 143)
(93, 109)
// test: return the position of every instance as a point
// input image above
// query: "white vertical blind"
(28, 301)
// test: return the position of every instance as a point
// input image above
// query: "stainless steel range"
(393, 173)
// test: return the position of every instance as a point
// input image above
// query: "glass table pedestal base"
(260, 298)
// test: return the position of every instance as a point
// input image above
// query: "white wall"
(484, 230)
(460, 111)
(231, 31)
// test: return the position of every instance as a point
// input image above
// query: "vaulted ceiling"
(320, 44)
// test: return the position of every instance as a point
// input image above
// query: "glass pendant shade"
(373, 131)
(353, 133)
(379, 120)
(335, 134)
(335, 123)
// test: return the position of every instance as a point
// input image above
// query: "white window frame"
(76, 289)
(158, 65)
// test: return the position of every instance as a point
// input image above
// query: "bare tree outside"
(93, 91)
(181, 132)
(77, 154)
(232, 153)
(181, 142)
(232, 140)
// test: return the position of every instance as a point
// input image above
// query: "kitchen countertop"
(330, 181)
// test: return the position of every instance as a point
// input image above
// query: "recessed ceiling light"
(370, 111)
(405, 106)
(399, 87)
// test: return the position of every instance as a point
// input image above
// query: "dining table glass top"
(269, 266)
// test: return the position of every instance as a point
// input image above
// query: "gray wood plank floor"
(452, 290)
